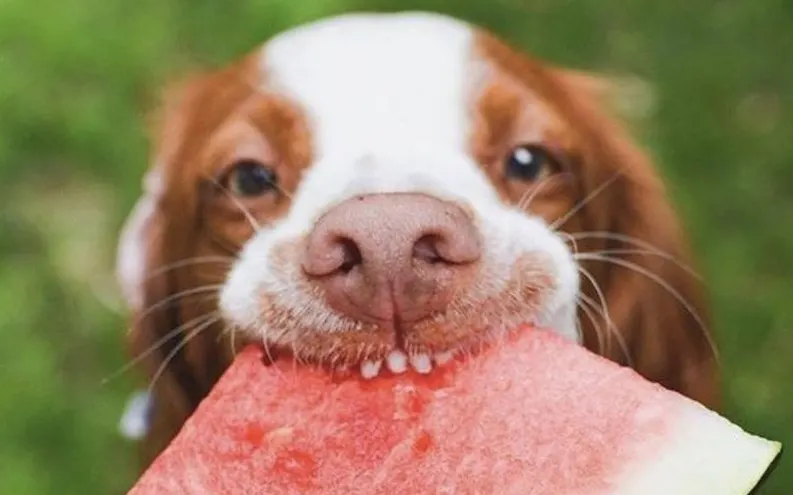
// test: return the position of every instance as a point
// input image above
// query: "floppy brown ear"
(145, 250)
(141, 252)
(171, 303)
(633, 244)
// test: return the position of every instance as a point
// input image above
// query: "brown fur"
(664, 341)
(207, 118)
(202, 123)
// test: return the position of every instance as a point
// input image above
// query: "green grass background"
(77, 76)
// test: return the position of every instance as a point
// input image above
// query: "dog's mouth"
(396, 361)
(387, 359)
(307, 333)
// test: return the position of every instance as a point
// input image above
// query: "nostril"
(351, 255)
(426, 249)
(328, 254)
(456, 245)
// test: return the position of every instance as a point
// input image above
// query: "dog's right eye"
(250, 178)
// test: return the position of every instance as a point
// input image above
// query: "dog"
(383, 191)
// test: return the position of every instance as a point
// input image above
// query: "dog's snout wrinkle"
(391, 256)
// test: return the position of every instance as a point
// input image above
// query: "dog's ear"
(635, 247)
(174, 328)
(140, 239)
(627, 96)
(150, 286)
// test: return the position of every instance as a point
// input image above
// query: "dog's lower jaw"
(373, 352)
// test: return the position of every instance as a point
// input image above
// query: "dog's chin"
(291, 317)
(462, 331)
(380, 348)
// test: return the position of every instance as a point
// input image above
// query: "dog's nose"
(392, 257)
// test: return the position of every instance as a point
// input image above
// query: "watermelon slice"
(539, 415)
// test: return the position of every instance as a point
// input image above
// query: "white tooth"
(444, 357)
(397, 361)
(370, 369)
(421, 363)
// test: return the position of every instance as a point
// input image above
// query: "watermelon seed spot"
(409, 402)
(422, 443)
(254, 434)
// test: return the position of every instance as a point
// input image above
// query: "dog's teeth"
(421, 363)
(397, 361)
(370, 369)
(444, 357)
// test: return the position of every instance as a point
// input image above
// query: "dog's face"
(402, 239)
(389, 190)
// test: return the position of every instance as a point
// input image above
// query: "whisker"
(532, 193)
(612, 329)
(665, 256)
(167, 300)
(283, 191)
(589, 197)
(598, 329)
(156, 345)
(569, 239)
(187, 262)
(245, 211)
(228, 247)
(190, 336)
(586, 273)
(603, 305)
(663, 284)
(579, 328)
(615, 236)
(295, 357)
(610, 325)
(231, 331)
(651, 248)
(232, 339)
(222, 333)
(268, 341)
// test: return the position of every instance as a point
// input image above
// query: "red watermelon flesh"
(536, 415)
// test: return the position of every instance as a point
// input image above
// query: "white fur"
(132, 246)
(387, 97)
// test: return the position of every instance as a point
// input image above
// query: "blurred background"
(77, 78)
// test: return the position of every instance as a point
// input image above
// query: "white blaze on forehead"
(376, 79)
(388, 101)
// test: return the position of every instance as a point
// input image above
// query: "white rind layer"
(704, 454)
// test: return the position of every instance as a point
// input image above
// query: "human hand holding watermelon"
(536, 414)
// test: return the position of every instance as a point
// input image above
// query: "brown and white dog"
(384, 191)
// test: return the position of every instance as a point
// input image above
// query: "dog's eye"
(251, 178)
(529, 162)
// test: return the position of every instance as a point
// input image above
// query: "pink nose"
(391, 257)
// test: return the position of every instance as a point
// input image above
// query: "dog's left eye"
(251, 178)
(529, 162)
